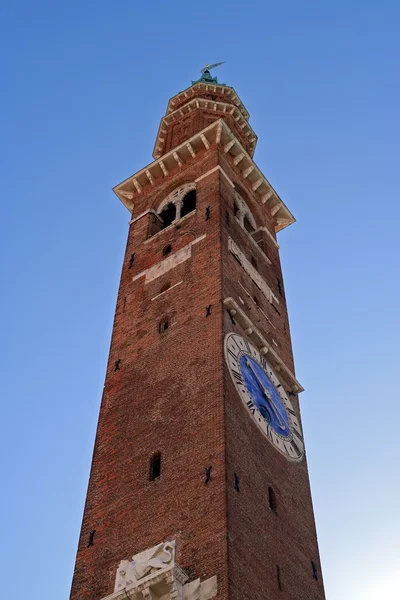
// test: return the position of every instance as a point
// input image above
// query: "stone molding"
(224, 90)
(220, 134)
(261, 343)
(172, 261)
(252, 272)
(211, 171)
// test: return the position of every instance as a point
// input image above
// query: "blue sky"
(83, 88)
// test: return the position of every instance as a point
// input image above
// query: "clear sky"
(84, 85)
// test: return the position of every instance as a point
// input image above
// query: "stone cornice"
(218, 133)
(214, 105)
(208, 87)
(265, 348)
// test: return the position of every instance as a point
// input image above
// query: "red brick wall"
(167, 396)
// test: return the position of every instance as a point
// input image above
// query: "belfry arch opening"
(242, 212)
(188, 203)
(175, 206)
(168, 215)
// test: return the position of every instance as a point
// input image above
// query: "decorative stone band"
(218, 133)
(264, 347)
(154, 575)
(225, 90)
(172, 261)
(250, 270)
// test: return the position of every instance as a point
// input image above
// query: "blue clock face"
(264, 396)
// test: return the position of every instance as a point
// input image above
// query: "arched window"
(155, 466)
(247, 225)
(242, 212)
(178, 204)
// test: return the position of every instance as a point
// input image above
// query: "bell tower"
(199, 486)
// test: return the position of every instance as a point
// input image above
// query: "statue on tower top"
(206, 75)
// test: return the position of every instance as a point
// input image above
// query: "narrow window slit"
(91, 537)
(155, 466)
(208, 474)
(279, 577)
(314, 570)
(272, 499)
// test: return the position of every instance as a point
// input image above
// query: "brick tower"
(199, 486)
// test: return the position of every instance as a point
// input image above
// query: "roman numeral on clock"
(232, 354)
(286, 449)
(252, 406)
(237, 376)
(297, 434)
(296, 448)
(236, 344)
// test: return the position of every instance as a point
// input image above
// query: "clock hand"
(267, 396)
(248, 364)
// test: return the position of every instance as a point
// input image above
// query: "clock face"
(264, 397)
